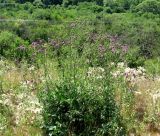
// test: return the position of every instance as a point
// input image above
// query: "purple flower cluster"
(56, 44)
(113, 39)
(125, 48)
(102, 50)
(38, 43)
(116, 46)
(92, 37)
(21, 48)
(113, 49)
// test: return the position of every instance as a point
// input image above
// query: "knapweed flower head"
(52, 42)
(21, 47)
(125, 48)
(34, 44)
(56, 44)
(41, 50)
(113, 49)
(113, 39)
(92, 37)
(101, 50)
(37, 43)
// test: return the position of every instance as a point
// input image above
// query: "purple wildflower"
(21, 47)
(53, 42)
(125, 48)
(102, 49)
(114, 39)
(40, 41)
(37, 43)
(41, 50)
(34, 44)
(113, 49)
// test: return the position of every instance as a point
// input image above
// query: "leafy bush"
(114, 5)
(42, 14)
(52, 2)
(83, 101)
(90, 6)
(39, 33)
(66, 3)
(9, 44)
(75, 108)
(133, 58)
(153, 66)
(38, 3)
(152, 6)
(107, 10)
(28, 6)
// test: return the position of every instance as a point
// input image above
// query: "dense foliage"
(84, 41)
(113, 4)
(75, 108)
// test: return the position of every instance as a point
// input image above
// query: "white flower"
(112, 64)
(142, 69)
(116, 73)
(120, 65)
(127, 70)
(155, 97)
(32, 68)
(96, 72)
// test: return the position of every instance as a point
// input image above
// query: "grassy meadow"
(80, 68)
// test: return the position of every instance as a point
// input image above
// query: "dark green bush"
(28, 6)
(115, 6)
(153, 66)
(9, 44)
(75, 108)
(38, 3)
(152, 6)
(42, 14)
(40, 33)
(52, 2)
(96, 8)
(133, 58)
(107, 10)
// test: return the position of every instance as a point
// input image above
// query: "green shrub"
(75, 108)
(152, 6)
(42, 14)
(79, 103)
(52, 2)
(28, 6)
(114, 6)
(38, 3)
(153, 66)
(133, 58)
(107, 10)
(40, 33)
(9, 44)
(96, 8)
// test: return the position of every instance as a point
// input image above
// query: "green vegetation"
(79, 67)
